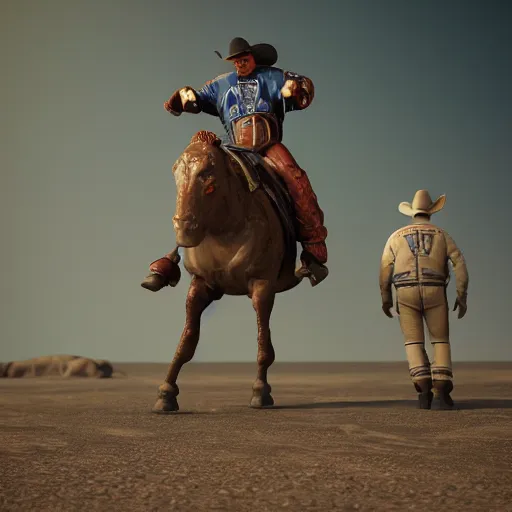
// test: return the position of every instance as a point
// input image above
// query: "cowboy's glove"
(183, 100)
(189, 100)
(460, 302)
(386, 307)
(174, 105)
(290, 88)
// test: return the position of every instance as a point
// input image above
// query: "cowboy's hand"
(189, 100)
(386, 307)
(174, 104)
(460, 302)
(290, 88)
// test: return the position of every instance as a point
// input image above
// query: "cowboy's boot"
(311, 267)
(425, 395)
(442, 399)
(164, 272)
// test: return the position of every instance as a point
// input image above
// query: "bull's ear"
(217, 142)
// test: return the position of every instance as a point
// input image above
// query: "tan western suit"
(415, 260)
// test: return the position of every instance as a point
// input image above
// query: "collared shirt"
(231, 97)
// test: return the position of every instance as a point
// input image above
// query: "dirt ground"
(341, 437)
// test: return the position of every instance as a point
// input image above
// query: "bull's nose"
(186, 222)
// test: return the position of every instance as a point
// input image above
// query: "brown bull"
(235, 244)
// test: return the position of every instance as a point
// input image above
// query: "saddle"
(259, 174)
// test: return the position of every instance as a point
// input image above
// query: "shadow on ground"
(461, 404)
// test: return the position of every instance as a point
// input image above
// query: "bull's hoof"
(259, 401)
(154, 282)
(167, 406)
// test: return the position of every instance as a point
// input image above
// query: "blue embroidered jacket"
(231, 97)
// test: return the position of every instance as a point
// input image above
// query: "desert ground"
(340, 437)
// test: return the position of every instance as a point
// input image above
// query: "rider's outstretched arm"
(208, 97)
(194, 101)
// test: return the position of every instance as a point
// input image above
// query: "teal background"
(409, 95)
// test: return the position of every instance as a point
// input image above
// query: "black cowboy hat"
(264, 54)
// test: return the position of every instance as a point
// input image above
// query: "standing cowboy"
(415, 260)
(251, 103)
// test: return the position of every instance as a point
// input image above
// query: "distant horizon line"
(492, 361)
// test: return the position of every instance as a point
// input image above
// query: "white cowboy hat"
(422, 204)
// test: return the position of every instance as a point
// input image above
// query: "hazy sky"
(409, 95)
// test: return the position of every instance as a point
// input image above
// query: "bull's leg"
(263, 301)
(199, 298)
